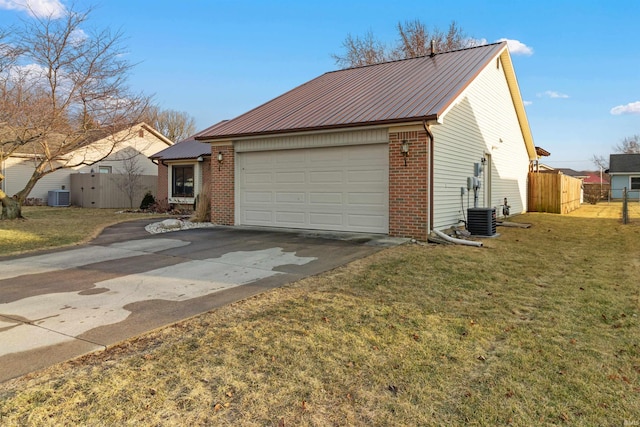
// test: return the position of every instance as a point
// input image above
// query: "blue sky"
(578, 67)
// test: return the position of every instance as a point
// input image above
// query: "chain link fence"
(630, 205)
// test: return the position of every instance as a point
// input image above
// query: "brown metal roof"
(390, 92)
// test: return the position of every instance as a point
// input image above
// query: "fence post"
(625, 206)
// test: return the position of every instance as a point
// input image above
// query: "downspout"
(427, 129)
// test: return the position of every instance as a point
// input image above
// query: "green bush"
(147, 201)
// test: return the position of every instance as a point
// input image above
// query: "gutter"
(314, 129)
(427, 128)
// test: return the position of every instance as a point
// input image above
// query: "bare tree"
(175, 125)
(130, 179)
(414, 40)
(362, 51)
(65, 90)
(629, 145)
(9, 55)
(600, 161)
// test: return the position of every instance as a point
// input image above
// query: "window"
(104, 169)
(635, 182)
(182, 181)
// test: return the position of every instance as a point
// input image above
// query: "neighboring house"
(386, 148)
(183, 170)
(544, 168)
(136, 143)
(624, 170)
(570, 172)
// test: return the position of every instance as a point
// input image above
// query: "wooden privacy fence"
(553, 193)
(106, 190)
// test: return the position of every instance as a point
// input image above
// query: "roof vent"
(433, 48)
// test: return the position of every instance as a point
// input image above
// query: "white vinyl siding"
(18, 170)
(331, 188)
(483, 121)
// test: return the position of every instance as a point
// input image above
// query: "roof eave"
(518, 103)
(226, 137)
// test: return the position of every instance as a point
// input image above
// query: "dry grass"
(48, 227)
(539, 327)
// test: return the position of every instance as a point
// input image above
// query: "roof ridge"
(416, 57)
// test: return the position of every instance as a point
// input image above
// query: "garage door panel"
(326, 177)
(377, 155)
(290, 219)
(331, 188)
(326, 220)
(333, 157)
(366, 176)
(283, 197)
(259, 178)
(290, 177)
(258, 197)
(261, 159)
(324, 198)
(366, 199)
(258, 217)
(288, 157)
(366, 221)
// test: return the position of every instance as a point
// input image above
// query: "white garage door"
(332, 188)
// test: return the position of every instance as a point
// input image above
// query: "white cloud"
(516, 47)
(471, 42)
(527, 102)
(78, 36)
(553, 95)
(37, 8)
(630, 108)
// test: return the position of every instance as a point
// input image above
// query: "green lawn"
(538, 327)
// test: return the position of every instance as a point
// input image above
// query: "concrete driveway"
(61, 304)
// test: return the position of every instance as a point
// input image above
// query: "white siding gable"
(482, 124)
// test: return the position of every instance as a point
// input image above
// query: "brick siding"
(162, 192)
(408, 185)
(222, 186)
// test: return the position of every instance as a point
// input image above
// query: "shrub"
(160, 206)
(147, 201)
(202, 211)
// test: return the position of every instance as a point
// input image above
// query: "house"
(624, 170)
(570, 172)
(596, 185)
(183, 169)
(388, 148)
(129, 146)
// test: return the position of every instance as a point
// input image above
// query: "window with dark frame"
(635, 182)
(182, 181)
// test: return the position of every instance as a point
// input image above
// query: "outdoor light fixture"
(219, 159)
(404, 149)
(200, 159)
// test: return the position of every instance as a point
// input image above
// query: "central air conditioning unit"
(59, 198)
(481, 221)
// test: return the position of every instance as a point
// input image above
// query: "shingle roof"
(188, 148)
(624, 163)
(391, 92)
